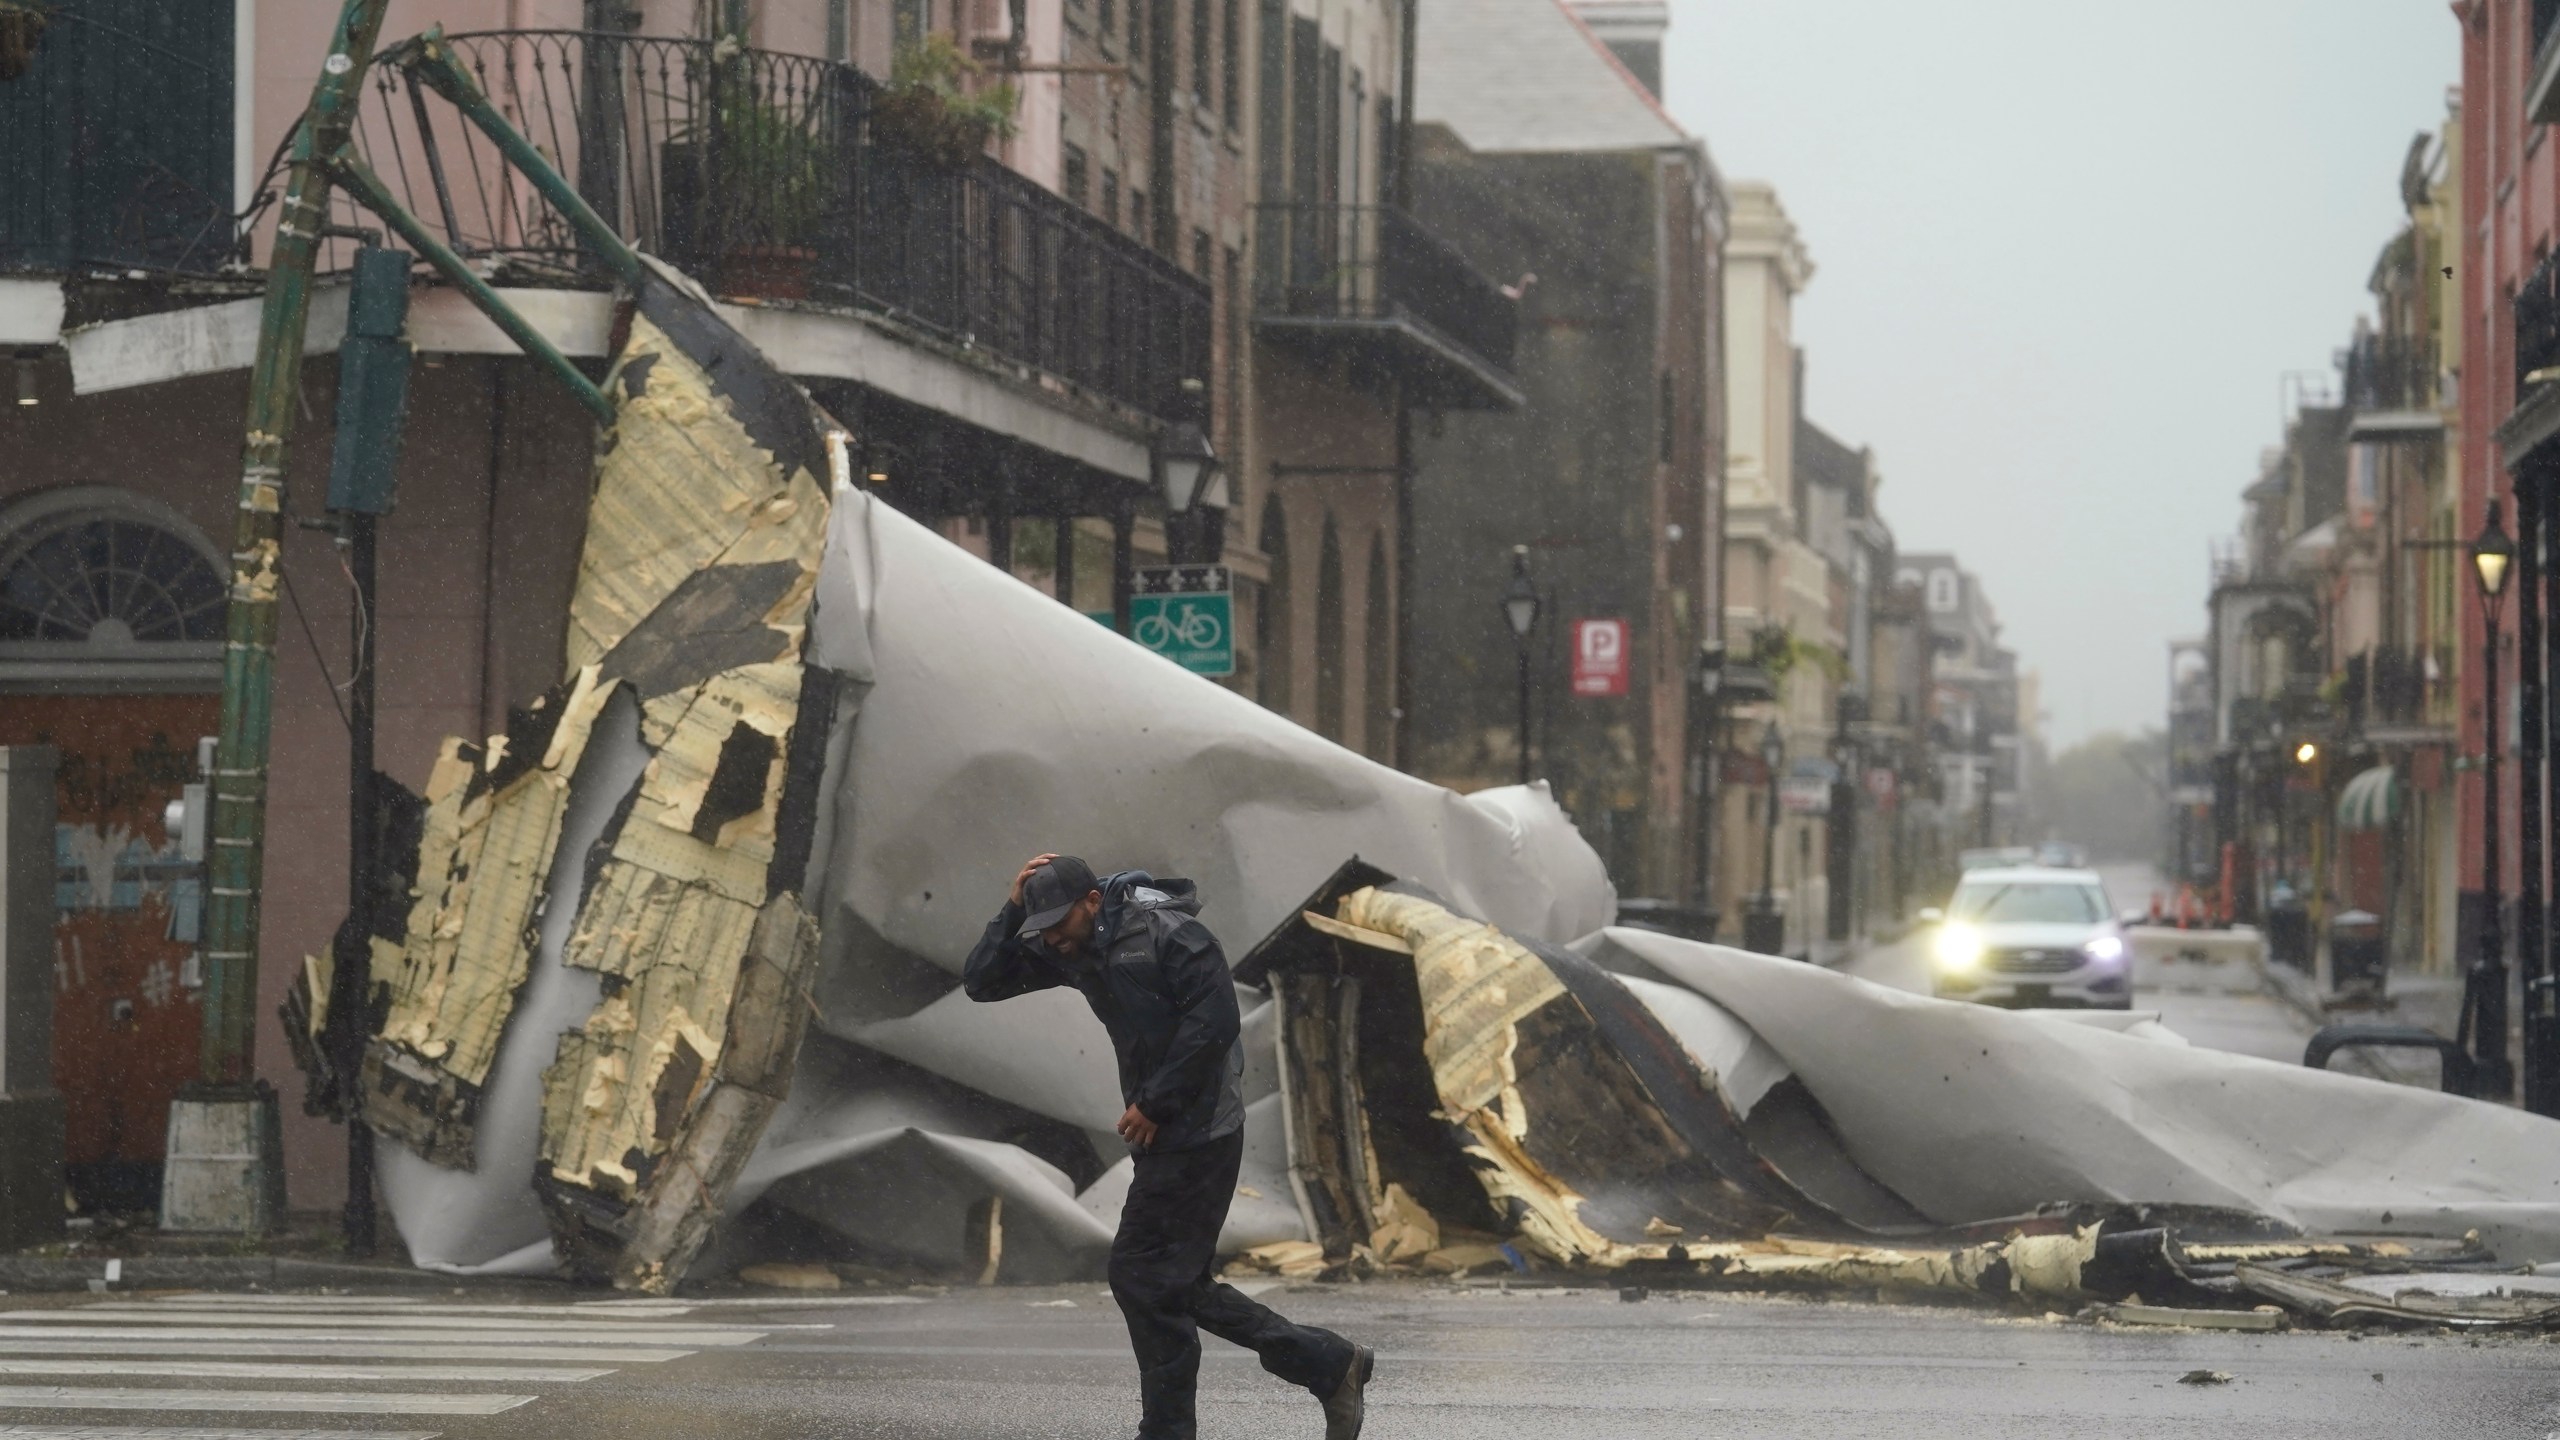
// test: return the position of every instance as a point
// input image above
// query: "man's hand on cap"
(1029, 866)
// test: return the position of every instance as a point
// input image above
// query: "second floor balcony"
(1369, 280)
(2393, 388)
(116, 141)
(2537, 316)
(785, 178)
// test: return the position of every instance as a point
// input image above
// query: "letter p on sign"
(1599, 657)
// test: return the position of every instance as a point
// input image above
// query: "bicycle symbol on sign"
(1192, 628)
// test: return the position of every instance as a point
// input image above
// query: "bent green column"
(239, 780)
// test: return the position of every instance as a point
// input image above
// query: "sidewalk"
(2431, 1001)
(127, 1252)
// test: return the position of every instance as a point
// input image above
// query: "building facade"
(1551, 165)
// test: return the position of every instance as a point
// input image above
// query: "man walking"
(1158, 982)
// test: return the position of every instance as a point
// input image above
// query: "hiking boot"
(1345, 1407)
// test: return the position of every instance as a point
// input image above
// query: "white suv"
(2031, 936)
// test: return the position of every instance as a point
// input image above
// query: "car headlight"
(2105, 947)
(1958, 947)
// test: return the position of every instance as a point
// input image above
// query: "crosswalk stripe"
(603, 1329)
(371, 1348)
(334, 1305)
(320, 1370)
(195, 1433)
(778, 1302)
(336, 1402)
(548, 1335)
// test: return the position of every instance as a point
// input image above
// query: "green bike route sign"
(1186, 613)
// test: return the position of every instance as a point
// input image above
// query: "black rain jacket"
(1157, 980)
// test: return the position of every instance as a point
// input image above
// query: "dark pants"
(1160, 1264)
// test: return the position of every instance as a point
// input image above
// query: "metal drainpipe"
(2531, 502)
(2541, 1023)
(239, 780)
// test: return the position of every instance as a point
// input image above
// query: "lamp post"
(1185, 463)
(2486, 1013)
(1763, 929)
(1520, 612)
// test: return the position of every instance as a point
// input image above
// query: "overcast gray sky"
(2065, 250)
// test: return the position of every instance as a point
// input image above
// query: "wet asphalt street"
(1455, 1364)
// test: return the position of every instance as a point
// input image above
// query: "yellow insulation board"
(484, 861)
(1477, 984)
(680, 486)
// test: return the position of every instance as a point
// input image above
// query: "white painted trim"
(803, 342)
(244, 103)
(213, 339)
(177, 344)
(578, 322)
(30, 312)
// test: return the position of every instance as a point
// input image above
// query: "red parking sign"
(1599, 657)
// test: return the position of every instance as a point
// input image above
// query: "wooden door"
(127, 1028)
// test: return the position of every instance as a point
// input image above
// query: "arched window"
(1330, 641)
(1271, 617)
(103, 589)
(1377, 651)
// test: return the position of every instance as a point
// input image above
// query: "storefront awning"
(2371, 800)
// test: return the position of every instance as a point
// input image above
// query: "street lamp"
(1185, 463)
(1763, 928)
(1520, 612)
(2492, 556)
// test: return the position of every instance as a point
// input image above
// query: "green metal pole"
(367, 190)
(239, 781)
(430, 59)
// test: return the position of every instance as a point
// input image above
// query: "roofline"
(1680, 133)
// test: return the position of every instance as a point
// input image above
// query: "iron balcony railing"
(2386, 686)
(2537, 313)
(1375, 262)
(2389, 372)
(788, 177)
(115, 139)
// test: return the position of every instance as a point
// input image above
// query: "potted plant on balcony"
(933, 108)
(22, 25)
(747, 185)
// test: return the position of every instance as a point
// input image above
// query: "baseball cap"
(1052, 891)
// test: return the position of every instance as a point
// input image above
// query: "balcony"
(1369, 282)
(2392, 390)
(2542, 89)
(784, 178)
(2386, 698)
(115, 144)
(2535, 422)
